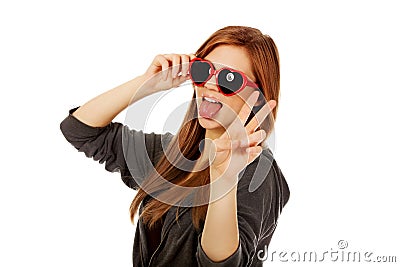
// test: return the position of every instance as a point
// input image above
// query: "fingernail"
(256, 94)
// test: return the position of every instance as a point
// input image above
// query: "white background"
(337, 126)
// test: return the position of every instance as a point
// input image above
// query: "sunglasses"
(228, 81)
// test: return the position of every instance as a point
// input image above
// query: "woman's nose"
(211, 84)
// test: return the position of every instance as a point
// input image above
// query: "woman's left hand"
(239, 145)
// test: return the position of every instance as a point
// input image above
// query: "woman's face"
(236, 58)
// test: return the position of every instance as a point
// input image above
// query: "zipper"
(163, 237)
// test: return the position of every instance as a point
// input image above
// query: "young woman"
(211, 194)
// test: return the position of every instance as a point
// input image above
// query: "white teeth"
(210, 100)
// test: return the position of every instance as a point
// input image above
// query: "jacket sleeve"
(128, 151)
(257, 213)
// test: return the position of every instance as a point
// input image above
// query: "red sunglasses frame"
(246, 81)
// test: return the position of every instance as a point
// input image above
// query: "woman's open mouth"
(209, 107)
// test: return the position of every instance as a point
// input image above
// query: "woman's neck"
(205, 151)
(214, 133)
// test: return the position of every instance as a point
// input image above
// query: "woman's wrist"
(139, 88)
(221, 184)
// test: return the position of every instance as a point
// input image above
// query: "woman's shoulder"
(264, 174)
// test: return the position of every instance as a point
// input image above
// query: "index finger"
(241, 118)
(244, 112)
(260, 116)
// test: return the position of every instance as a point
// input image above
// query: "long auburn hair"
(263, 53)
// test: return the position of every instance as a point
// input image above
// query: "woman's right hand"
(167, 71)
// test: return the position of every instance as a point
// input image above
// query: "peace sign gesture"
(239, 145)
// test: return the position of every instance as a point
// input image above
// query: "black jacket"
(259, 201)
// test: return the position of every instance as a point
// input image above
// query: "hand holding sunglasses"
(167, 71)
(228, 80)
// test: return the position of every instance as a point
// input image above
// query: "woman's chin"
(208, 123)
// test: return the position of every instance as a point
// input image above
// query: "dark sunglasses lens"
(200, 71)
(229, 81)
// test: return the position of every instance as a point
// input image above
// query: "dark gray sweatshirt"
(261, 195)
